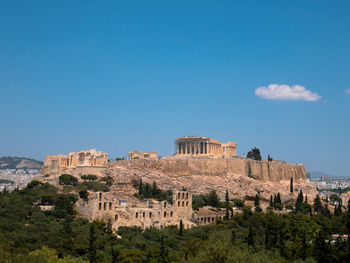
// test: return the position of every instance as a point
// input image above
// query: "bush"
(34, 184)
(238, 202)
(289, 207)
(89, 177)
(278, 206)
(67, 189)
(108, 180)
(67, 179)
(258, 209)
(83, 193)
(93, 186)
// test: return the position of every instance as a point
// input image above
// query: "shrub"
(93, 186)
(238, 202)
(258, 209)
(108, 180)
(83, 193)
(89, 177)
(34, 184)
(67, 179)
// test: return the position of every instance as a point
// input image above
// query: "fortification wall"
(260, 170)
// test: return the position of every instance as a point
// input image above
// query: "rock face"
(243, 178)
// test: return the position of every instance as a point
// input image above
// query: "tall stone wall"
(260, 170)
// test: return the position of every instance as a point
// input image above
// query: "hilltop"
(14, 162)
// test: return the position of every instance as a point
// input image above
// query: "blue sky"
(124, 75)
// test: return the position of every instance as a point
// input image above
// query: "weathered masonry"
(124, 210)
(136, 155)
(55, 164)
(197, 145)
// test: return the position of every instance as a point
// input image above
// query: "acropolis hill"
(200, 164)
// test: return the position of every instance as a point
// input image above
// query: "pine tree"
(291, 185)
(256, 200)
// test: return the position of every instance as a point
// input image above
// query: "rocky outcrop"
(211, 166)
(241, 177)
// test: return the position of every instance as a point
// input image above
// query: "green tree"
(140, 187)
(181, 228)
(213, 199)
(251, 238)
(92, 243)
(291, 188)
(271, 201)
(155, 190)
(238, 203)
(278, 199)
(256, 201)
(254, 154)
(299, 202)
(67, 179)
(317, 204)
(84, 194)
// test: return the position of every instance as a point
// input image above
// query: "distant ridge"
(14, 162)
(318, 174)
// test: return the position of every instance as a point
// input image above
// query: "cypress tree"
(250, 239)
(299, 202)
(227, 215)
(271, 202)
(92, 244)
(256, 200)
(181, 228)
(278, 199)
(291, 185)
(317, 204)
(140, 187)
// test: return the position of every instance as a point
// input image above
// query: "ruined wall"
(123, 209)
(261, 170)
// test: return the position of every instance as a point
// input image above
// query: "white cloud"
(347, 91)
(286, 92)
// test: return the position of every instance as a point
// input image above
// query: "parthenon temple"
(198, 145)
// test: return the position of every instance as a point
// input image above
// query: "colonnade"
(193, 147)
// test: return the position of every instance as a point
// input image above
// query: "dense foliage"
(28, 234)
(254, 154)
(152, 191)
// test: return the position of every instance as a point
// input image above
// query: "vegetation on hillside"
(28, 234)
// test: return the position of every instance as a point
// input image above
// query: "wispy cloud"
(347, 91)
(286, 92)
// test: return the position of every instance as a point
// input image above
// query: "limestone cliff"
(243, 178)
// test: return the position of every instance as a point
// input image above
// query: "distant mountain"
(318, 174)
(10, 162)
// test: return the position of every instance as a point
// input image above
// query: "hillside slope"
(14, 162)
